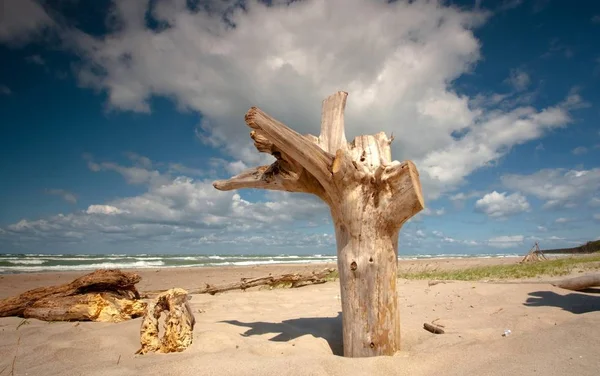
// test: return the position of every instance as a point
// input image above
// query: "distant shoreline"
(40, 263)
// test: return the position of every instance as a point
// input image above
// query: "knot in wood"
(353, 266)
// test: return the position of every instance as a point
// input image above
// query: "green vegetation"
(555, 267)
(589, 247)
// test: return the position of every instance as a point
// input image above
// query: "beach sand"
(298, 331)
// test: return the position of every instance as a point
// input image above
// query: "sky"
(117, 116)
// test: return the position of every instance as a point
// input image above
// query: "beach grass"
(553, 267)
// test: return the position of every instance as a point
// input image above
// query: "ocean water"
(30, 263)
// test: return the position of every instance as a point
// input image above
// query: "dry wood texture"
(104, 295)
(579, 283)
(370, 197)
(178, 327)
(285, 280)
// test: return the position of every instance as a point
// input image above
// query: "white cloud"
(103, 209)
(579, 150)
(559, 187)
(518, 79)
(436, 212)
(542, 229)
(506, 5)
(563, 220)
(66, 195)
(22, 20)
(506, 241)
(5, 90)
(184, 214)
(595, 201)
(462, 196)
(500, 205)
(597, 217)
(305, 51)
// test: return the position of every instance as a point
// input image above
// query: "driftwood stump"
(370, 197)
(178, 327)
(579, 283)
(104, 295)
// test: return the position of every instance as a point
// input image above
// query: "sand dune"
(298, 332)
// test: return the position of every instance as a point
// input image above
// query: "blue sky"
(117, 117)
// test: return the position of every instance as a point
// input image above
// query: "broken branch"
(433, 328)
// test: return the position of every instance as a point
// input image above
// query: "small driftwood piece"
(104, 295)
(178, 327)
(433, 328)
(579, 283)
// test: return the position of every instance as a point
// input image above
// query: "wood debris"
(104, 295)
(178, 327)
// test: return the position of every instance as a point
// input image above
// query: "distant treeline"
(589, 247)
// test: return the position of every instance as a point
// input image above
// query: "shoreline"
(193, 277)
(297, 331)
(32, 264)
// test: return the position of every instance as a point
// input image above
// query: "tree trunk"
(370, 197)
(367, 263)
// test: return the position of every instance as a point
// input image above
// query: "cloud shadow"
(576, 303)
(328, 328)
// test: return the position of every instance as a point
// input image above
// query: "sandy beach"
(298, 331)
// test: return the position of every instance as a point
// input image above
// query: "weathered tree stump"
(370, 198)
(104, 295)
(178, 328)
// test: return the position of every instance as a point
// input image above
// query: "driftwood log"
(370, 198)
(285, 280)
(104, 295)
(579, 283)
(178, 325)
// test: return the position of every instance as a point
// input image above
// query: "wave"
(26, 262)
(103, 265)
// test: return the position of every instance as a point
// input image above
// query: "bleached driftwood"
(579, 283)
(104, 295)
(370, 198)
(285, 280)
(178, 327)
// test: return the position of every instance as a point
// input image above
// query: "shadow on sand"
(576, 303)
(328, 328)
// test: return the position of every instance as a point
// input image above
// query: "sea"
(33, 263)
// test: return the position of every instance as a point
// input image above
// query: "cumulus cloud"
(558, 187)
(579, 150)
(22, 20)
(506, 241)
(563, 220)
(191, 215)
(66, 195)
(407, 63)
(103, 209)
(501, 205)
